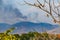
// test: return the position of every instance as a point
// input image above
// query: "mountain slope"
(54, 31)
(4, 27)
(23, 27)
(29, 26)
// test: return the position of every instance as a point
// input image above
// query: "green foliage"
(9, 30)
(27, 36)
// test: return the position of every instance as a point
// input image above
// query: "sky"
(34, 14)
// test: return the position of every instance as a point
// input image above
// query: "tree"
(9, 30)
(50, 7)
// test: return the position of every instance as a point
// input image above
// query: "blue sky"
(34, 14)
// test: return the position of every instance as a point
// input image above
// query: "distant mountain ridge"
(27, 27)
(4, 27)
(30, 26)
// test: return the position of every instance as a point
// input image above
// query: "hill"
(4, 27)
(29, 26)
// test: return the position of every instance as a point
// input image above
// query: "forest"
(28, 36)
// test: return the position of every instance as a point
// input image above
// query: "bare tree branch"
(52, 8)
(29, 3)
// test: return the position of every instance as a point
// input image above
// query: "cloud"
(36, 15)
(20, 13)
(10, 14)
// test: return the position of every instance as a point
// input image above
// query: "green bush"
(27, 36)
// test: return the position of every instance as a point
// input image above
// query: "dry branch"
(53, 9)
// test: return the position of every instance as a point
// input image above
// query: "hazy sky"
(34, 14)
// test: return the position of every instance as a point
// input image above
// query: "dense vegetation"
(28, 36)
